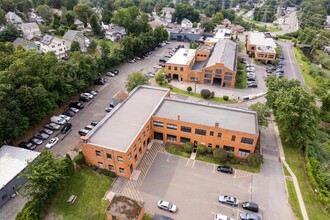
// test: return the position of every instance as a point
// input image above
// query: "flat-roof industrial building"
(13, 161)
(120, 140)
(261, 46)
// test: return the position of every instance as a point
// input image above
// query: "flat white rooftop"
(258, 38)
(120, 127)
(222, 33)
(234, 119)
(12, 161)
(182, 57)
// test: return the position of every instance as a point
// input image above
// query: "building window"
(134, 149)
(184, 140)
(135, 158)
(271, 56)
(111, 168)
(109, 156)
(60, 49)
(140, 150)
(219, 135)
(208, 75)
(101, 165)
(175, 68)
(171, 126)
(229, 149)
(171, 138)
(217, 146)
(181, 69)
(242, 152)
(121, 170)
(209, 145)
(228, 78)
(226, 83)
(158, 124)
(120, 159)
(218, 72)
(233, 138)
(228, 73)
(169, 67)
(211, 133)
(207, 81)
(260, 55)
(208, 71)
(143, 134)
(147, 128)
(193, 79)
(200, 132)
(58, 44)
(53, 46)
(139, 141)
(130, 156)
(245, 140)
(98, 153)
(185, 129)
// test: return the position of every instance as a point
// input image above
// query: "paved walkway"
(294, 178)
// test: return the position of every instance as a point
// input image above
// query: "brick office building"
(213, 62)
(120, 140)
(261, 46)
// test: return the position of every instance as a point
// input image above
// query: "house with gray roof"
(26, 44)
(13, 18)
(78, 36)
(113, 32)
(30, 30)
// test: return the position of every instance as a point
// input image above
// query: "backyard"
(90, 188)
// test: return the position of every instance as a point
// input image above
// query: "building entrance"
(176, 76)
(158, 136)
(217, 81)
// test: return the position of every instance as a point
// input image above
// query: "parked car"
(162, 60)
(87, 95)
(28, 145)
(251, 79)
(243, 60)
(108, 109)
(100, 81)
(48, 126)
(66, 128)
(249, 65)
(131, 61)
(65, 117)
(252, 84)
(269, 71)
(230, 200)
(94, 123)
(116, 71)
(75, 110)
(94, 93)
(161, 217)
(158, 67)
(69, 113)
(225, 169)
(167, 206)
(36, 141)
(46, 131)
(41, 136)
(221, 217)
(151, 75)
(282, 62)
(54, 126)
(111, 74)
(168, 55)
(250, 69)
(83, 132)
(89, 127)
(137, 58)
(249, 216)
(52, 142)
(58, 120)
(251, 206)
(78, 105)
(280, 57)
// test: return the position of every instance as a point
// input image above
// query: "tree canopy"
(183, 11)
(135, 79)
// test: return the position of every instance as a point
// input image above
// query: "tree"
(297, 116)
(94, 21)
(2, 16)
(56, 21)
(83, 12)
(201, 149)
(188, 147)
(185, 11)
(189, 89)
(205, 93)
(92, 45)
(45, 12)
(135, 79)
(217, 18)
(262, 113)
(160, 78)
(75, 46)
(146, 6)
(220, 154)
(326, 103)
(106, 16)
(255, 159)
(208, 26)
(10, 33)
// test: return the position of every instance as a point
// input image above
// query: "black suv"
(77, 105)
(250, 206)
(66, 128)
(225, 169)
(28, 145)
(100, 81)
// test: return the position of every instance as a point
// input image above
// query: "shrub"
(209, 150)
(212, 94)
(79, 159)
(94, 167)
(205, 93)
(225, 97)
(189, 89)
(235, 160)
(201, 149)
(160, 78)
(220, 154)
(108, 173)
(254, 159)
(238, 80)
(188, 147)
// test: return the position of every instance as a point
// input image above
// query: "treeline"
(266, 13)
(313, 13)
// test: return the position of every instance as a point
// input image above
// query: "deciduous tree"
(262, 113)
(83, 12)
(94, 21)
(135, 79)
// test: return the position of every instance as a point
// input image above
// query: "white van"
(58, 120)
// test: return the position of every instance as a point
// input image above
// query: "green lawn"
(110, 43)
(177, 151)
(293, 200)
(304, 68)
(295, 159)
(241, 78)
(90, 188)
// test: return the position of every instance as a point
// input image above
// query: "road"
(291, 68)
(290, 24)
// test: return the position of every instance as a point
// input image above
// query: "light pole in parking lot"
(196, 79)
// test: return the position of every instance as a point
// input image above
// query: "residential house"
(158, 22)
(30, 30)
(113, 32)
(149, 113)
(261, 46)
(13, 18)
(53, 44)
(185, 23)
(204, 18)
(167, 13)
(226, 22)
(80, 25)
(223, 33)
(78, 36)
(13, 161)
(213, 62)
(27, 45)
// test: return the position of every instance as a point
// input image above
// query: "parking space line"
(168, 158)
(193, 164)
(213, 168)
(187, 162)
(103, 87)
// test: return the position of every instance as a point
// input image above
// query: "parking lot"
(194, 187)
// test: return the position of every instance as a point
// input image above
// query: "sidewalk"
(294, 178)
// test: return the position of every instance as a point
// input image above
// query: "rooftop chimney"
(216, 124)
(178, 117)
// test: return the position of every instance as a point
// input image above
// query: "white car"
(221, 217)
(75, 110)
(55, 126)
(65, 117)
(167, 206)
(94, 93)
(111, 74)
(52, 142)
(158, 67)
(230, 200)
(88, 95)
